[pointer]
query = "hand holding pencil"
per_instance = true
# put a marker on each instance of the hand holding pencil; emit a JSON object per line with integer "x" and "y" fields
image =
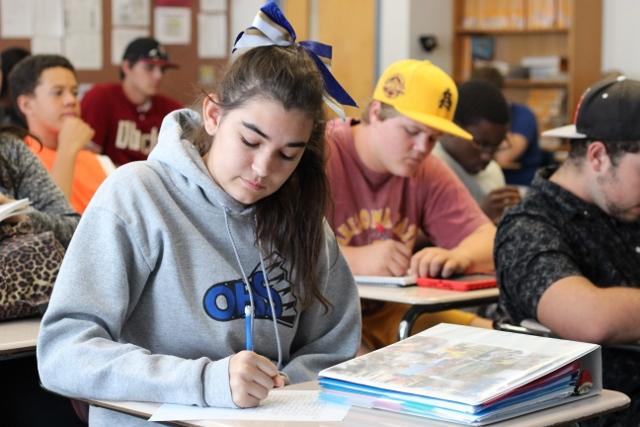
{"x": 251, "y": 376}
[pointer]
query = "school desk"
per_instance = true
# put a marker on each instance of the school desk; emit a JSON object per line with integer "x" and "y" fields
{"x": 608, "y": 401}
{"x": 425, "y": 300}
{"x": 18, "y": 337}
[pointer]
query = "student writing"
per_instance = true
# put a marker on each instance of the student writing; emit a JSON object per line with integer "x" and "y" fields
{"x": 237, "y": 196}
{"x": 523, "y": 156}
{"x": 386, "y": 187}
{"x": 483, "y": 112}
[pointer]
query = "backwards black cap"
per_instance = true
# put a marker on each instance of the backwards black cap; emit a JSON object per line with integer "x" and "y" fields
{"x": 607, "y": 111}
{"x": 147, "y": 49}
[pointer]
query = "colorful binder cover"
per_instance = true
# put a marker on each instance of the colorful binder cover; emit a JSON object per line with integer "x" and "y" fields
{"x": 467, "y": 375}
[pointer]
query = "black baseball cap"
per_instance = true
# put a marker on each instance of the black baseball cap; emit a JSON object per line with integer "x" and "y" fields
{"x": 147, "y": 49}
{"x": 609, "y": 110}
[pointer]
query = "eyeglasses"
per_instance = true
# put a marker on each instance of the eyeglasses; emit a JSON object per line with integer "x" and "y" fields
{"x": 490, "y": 148}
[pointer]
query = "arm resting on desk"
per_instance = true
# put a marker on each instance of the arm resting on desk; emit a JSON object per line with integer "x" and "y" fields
{"x": 575, "y": 308}
{"x": 478, "y": 246}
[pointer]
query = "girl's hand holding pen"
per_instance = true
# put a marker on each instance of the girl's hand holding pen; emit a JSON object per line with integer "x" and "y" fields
{"x": 251, "y": 376}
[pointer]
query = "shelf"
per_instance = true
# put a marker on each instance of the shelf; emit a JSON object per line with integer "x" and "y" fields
{"x": 509, "y": 31}
{"x": 526, "y": 83}
{"x": 576, "y": 38}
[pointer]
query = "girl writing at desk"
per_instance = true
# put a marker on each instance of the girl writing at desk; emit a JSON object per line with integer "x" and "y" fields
{"x": 226, "y": 213}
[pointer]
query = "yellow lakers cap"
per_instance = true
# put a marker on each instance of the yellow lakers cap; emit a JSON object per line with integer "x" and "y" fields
{"x": 422, "y": 92}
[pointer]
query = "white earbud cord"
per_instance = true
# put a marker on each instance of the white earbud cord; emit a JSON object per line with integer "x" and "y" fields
{"x": 246, "y": 284}
{"x": 244, "y": 276}
{"x": 273, "y": 311}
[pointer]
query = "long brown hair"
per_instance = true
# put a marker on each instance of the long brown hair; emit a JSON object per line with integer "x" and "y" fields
{"x": 289, "y": 222}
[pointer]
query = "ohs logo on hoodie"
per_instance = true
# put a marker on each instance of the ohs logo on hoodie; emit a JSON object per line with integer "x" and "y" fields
{"x": 226, "y": 301}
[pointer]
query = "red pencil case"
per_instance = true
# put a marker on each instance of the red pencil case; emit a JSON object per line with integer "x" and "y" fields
{"x": 459, "y": 283}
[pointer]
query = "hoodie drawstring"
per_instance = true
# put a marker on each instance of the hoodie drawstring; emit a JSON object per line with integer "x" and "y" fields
{"x": 248, "y": 287}
{"x": 273, "y": 311}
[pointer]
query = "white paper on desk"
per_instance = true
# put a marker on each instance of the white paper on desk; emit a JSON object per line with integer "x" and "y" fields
{"x": 281, "y": 405}
{"x": 409, "y": 280}
{"x": 16, "y": 18}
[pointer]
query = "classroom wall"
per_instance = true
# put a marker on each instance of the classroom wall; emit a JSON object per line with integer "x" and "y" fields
{"x": 620, "y": 36}
{"x": 399, "y": 23}
{"x": 182, "y": 84}
{"x": 393, "y": 18}
{"x": 242, "y": 13}
{"x": 433, "y": 17}
{"x": 402, "y": 21}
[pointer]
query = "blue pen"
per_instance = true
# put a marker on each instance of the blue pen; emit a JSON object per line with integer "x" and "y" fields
{"x": 248, "y": 321}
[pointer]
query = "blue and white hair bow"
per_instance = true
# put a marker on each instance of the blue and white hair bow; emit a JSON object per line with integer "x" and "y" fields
{"x": 270, "y": 27}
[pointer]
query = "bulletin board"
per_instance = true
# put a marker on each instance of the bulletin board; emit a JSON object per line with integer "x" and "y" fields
{"x": 183, "y": 83}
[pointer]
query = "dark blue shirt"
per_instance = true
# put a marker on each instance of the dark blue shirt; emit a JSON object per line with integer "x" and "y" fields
{"x": 523, "y": 122}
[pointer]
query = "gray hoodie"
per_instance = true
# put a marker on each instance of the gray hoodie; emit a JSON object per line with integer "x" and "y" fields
{"x": 149, "y": 301}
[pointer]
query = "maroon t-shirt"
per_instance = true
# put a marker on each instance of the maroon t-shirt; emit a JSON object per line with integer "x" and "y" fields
{"x": 370, "y": 206}
{"x": 124, "y": 131}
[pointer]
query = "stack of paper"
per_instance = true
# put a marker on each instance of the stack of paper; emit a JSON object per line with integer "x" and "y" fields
{"x": 543, "y": 67}
{"x": 467, "y": 375}
{"x": 15, "y": 207}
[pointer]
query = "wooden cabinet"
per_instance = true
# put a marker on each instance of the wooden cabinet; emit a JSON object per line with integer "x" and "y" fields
{"x": 513, "y": 30}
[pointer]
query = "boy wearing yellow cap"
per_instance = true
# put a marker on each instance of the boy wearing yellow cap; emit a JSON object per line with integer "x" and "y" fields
{"x": 386, "y": 188}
